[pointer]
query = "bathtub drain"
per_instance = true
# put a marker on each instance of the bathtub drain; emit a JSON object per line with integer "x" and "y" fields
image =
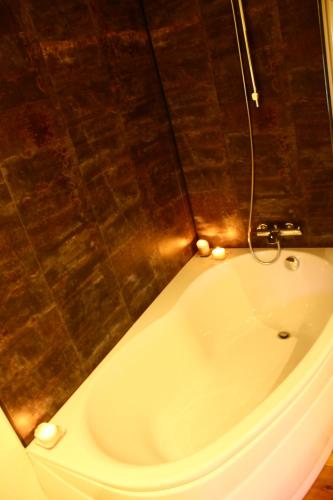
{"x": 283, "y": 335}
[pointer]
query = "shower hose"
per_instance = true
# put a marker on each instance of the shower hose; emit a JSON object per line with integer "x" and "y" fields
{"x": 278, "y": 252}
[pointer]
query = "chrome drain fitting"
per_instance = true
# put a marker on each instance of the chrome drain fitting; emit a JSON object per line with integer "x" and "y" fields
{"x": 292, "y": 263}
{"x": 283, "y": 335}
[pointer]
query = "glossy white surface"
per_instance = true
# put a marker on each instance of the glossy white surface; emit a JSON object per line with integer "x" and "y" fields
{"x": 18, "y": 479}
{"x": 201, "y": 399}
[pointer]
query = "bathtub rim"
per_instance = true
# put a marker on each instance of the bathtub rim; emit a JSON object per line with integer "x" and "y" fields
{"x": 150, "y": 478}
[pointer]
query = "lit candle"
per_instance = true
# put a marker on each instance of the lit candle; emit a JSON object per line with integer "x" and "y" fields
{"x": 48, "y": 434}
{"x": 218, "y": 253}
{"x": 203, "y": 248}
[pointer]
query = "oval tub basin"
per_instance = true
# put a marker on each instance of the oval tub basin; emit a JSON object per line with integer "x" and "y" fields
{"x": 202, "y": 399}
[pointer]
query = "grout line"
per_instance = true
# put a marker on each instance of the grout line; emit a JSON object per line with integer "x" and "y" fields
{"x": 54, "y": 302}
{"x": 183, "y": 184}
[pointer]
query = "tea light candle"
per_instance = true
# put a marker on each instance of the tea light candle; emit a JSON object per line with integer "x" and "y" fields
{"x": 218, "y": 253}
{"x": 203, "y": 248}
{"x": 48, "y": 434}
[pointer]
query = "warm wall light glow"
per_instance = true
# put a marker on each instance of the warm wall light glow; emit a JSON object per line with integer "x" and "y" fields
{"x": 231, "y": 233}
{"x": 48, "y": 434}
{"x": 218, "y": 253}
{"x": 203, "y": 248}
{"x": 170, "y": 247}
{"x": 24, "y": 422}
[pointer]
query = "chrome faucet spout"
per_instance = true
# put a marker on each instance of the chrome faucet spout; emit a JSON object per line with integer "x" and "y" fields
{"x": 273, "y": 237}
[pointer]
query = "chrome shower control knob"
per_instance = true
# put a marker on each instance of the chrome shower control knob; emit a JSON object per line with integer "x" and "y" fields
{"x": 262, "y": 227}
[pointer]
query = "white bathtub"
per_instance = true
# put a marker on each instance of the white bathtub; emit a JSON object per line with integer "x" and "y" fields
{"x": 201, "y": 400}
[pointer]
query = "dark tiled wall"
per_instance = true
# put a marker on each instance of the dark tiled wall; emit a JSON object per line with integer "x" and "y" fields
{"x": 195, "y": 46}
{"x": 93, "y": 216}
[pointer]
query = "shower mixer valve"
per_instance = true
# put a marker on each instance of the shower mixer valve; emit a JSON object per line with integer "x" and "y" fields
{"x": 273, "y": 232}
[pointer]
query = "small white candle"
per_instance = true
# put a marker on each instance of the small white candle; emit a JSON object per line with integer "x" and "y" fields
{"x": 203, "y": 248}
{"x": 48, "y": 434}
{"x": 218, "y": 253}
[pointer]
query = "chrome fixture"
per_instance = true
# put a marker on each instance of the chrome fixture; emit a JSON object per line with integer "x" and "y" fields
{"x": 255, "y": 97}
{"x": 273, "y": 232}
{"x": 292, "y": 263}
{"x": 254, "y": 94}
{"x": 284, "y": 335}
